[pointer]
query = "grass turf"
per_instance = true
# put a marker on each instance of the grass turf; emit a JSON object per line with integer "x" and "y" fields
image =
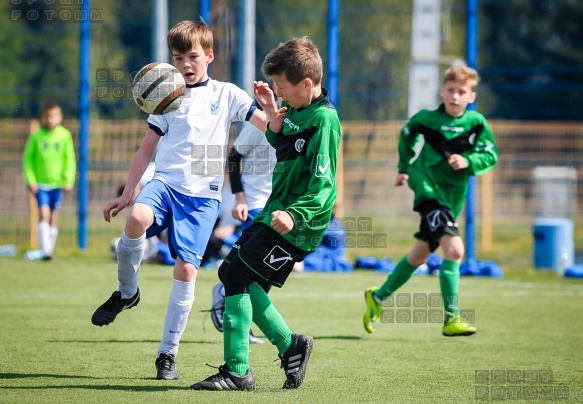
{"x": 50, "y": 352}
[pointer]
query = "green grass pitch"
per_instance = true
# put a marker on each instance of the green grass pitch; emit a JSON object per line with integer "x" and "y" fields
{"x": 530, "y": 325}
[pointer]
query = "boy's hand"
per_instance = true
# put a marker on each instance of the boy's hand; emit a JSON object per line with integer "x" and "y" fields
{"x": 281, "y": 221}
{"x": 240, "y": 212}
{"x": 457, "y": 162}
{"x": 67, "y": 189}
{"x": 33, "y": 189}
{"x": 401, "y": 179}
{"x": 276, "y": 123}
{"x": 265, "y": 98}
{"x": 114, "y": 207}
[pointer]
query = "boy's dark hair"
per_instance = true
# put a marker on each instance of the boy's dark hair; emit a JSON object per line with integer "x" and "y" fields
{"x": 297, "y": 58}
{"x": 187, "y": 34}
{"x": 48, "y": 106}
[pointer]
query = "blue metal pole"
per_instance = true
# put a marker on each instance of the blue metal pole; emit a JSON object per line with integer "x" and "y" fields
{"x": 205, "y": 11}
{"x": 246, "y": 45}
{"x": 333, "y": 40}
{"x": 205, "y": 14}
{"x": 84, "y": 105}
{"x": 472, "y": 59}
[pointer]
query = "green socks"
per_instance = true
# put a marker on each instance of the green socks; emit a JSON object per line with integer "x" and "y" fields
{"x": 449, "y": 280}
{"x": 240, "y": 310}
{"x": 268, "y": 319}
{"x": 401, "y": 274}
{"x": 236, "y": 326}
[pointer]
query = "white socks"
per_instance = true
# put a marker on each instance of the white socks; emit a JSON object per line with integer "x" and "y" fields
{"x": 54, "y": 234}
{"x": 179, "y": 306}
{"x": 129, "y": 257}
{"x": 44, "y": 238}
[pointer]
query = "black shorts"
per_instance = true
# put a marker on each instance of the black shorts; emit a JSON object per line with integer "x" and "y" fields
{"x": 266, "y": 253}
{"x": 436, "y": 220}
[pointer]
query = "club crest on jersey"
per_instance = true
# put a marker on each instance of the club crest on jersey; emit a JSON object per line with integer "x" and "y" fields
{"x": 214, "y": 108}
{"x": 300, "y": 145}
{"x": 277, "y": 258}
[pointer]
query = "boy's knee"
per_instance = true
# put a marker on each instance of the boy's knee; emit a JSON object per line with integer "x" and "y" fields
{"x": 236, "y": 277}
{"x": 416, "y": 260}
{"x": 454, "y": 253}
{"x": 221, "y": 271}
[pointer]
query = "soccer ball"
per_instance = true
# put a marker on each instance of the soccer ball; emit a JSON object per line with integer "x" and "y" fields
{"x": 113, "y": 248}
{"x": 158, "y": 88}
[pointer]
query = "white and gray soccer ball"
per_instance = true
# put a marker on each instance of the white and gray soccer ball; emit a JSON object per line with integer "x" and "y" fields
{"x": 158, "y": 88}
{"x": 113, "y": 248}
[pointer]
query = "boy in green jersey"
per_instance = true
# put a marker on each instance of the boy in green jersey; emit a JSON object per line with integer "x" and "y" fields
{"x": 49, "y": 168}
{"x": 305, "y": 133}
{"x": 457, "y": 144}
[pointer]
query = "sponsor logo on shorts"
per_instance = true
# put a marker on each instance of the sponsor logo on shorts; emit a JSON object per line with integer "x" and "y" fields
{"x": 434, "y": 219}
{"x": 277, "y": 258}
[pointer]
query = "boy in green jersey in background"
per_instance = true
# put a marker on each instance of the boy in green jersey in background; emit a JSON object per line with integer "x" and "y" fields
{"x": 305, "y": 133}
{"x": 457, "y": 144}
{"x": 49, "y": 168}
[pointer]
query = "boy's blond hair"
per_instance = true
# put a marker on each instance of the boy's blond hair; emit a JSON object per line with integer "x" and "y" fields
{"x": 462, "y": 74}
{"x": 187, "y": 34}
{"x": 297, "y": 58}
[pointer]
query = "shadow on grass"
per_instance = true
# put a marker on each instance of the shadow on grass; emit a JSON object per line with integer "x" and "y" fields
{"x": 357, "y": 338}
{"x": 15, "y": 376}
{"x": 31, "y": 375}
{"x": 126, "y": 341}
{"x": 342, "y": 337}
{"x": 92, "y": 387}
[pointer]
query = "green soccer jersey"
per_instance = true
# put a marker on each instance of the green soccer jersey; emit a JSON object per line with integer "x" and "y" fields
{"x": 49, "y": 158}
{"x": 430, "y": 176}
{"x": 304, "y": 177}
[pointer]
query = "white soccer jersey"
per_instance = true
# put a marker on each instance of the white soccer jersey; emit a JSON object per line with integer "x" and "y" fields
{"x": 191, "y": 154}
{"x": 148, "y": 175}
{"x": 258, "y": 163}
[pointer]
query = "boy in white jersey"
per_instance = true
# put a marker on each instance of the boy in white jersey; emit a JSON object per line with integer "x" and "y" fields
{"x": 185, "y": 193}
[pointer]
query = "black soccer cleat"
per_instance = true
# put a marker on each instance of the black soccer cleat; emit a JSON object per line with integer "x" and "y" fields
{"x": 166, "y": 367}
{"x": 226, "y": 380}
{"x": 107, "y": 312}
{"x": 295, "y": 360}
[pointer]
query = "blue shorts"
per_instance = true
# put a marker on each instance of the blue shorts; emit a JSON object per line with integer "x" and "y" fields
{"x": 50, "y": 198}
{"x": 190, "y": 220}
{"x": 250, "y": 215}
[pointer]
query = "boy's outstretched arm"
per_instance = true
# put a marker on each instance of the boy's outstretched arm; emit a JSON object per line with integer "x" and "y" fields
{"x": 139, "y": 164}
{"x": 259, "y": 120}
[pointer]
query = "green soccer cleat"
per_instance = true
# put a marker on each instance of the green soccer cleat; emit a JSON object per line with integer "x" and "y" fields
{"x": 457, "y": 328}
{"x": 372, "y": 315}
